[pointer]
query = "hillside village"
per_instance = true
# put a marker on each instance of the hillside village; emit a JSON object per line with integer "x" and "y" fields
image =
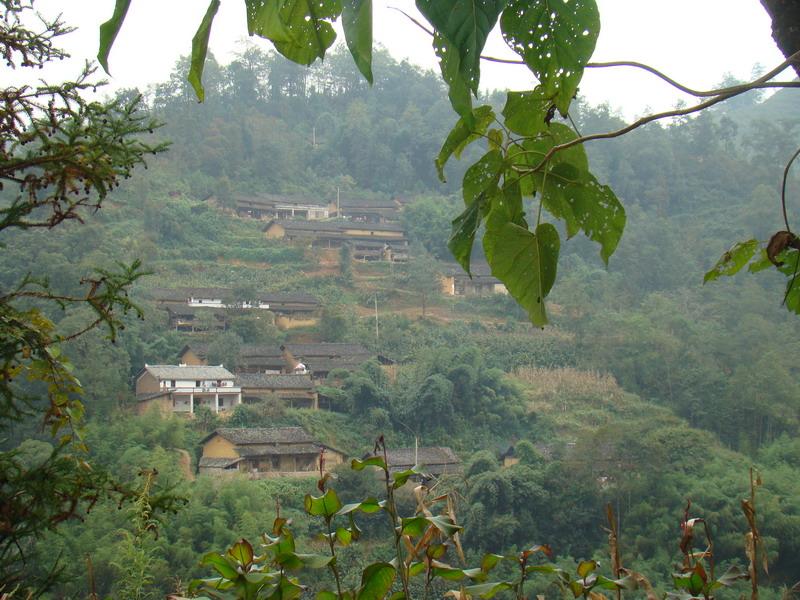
{"x": 290, "y": 373}
{"x": 297, "y": 307}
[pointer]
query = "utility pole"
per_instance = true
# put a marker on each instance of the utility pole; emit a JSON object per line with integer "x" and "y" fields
{"x": 338, "y": 208}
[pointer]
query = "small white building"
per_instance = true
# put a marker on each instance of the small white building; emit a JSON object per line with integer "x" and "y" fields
{"x": 182, "y": 389}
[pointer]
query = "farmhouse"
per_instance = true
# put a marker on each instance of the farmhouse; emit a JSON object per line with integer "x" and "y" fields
{"x": 369, "y": 241}
{"x": 316, "y": 359}
{"x": 298, "y": 391}
{"x": 455, "y": 282}
{"x": 270, "y": 206}
{"x": 265, "y": 452}
{"x": 361, "y": 210}
{"x": 434, "y": 460}
{"x": 183, "y": 389}
{"x": 201, "y": 309}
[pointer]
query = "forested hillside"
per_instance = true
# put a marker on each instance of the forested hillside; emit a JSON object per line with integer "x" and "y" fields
{"x": 649, "y": 389}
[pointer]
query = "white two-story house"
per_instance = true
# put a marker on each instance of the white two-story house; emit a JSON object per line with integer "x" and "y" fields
{"x": 183, "y": 389}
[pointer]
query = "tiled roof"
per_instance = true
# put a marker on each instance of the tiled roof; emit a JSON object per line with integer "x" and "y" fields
{"x": 263, "y": 435}
{"x": 430, "y": 457}
{"x": 251, "y": 450}
{"x": 182, "y": 294}
{"x": 217, "y": 463}
{"x": 188, "y": 372}
{"x": 270, "y": 200}
{"x": 334, "y": 226}
{"x": 367, "y": 203}
{"x": 321, "y": 350}
{"x": 276, "y": 382}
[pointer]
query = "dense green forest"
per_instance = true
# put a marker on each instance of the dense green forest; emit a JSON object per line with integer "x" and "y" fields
{"x": 648, "y": 389}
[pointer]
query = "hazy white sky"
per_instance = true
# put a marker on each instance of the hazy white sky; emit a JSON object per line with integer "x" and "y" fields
{"x": 695, "y": 41}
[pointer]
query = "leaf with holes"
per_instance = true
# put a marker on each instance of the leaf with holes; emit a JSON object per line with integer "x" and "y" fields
{"x": 584, "y": 204}
{"x": 309, "y": 28}
{"x": 264, "y": 20}
{"x": 733, "y": 260}
{"x": 526, "y": 262}
{"x": 482, "y": 175}
{"x": 457, "y": 86}
{"x": 526, "y": 113}
{"x": 466, "y": 25}
{"x": 555, "y": 39}
{"x": 200, "y": 49}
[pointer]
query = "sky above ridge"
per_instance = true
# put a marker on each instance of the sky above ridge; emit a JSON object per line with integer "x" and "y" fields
{"x": 696, "y": 42}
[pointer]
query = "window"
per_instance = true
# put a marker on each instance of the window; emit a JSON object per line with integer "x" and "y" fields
{"x": 197, "y": 383}
{"x": 172, "y": 383}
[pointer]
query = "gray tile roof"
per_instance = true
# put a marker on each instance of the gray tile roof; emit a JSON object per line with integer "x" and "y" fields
{"x": 334, "y": 226}
{"x": 263, "y": 435}
{"x": 188, "y": 372}
{"x": 276, "y": 382}
{"x": 433, "y": 458}
{"x": 304, "y": 351}
{"x": 251, "y": 450}
{"x": 270, "y": 200}
{"x": 217, "y": 463}
{"x": 182, "y": 294}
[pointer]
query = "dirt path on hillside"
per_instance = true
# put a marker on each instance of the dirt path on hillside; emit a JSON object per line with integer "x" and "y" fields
{"x": 185, "y": 463}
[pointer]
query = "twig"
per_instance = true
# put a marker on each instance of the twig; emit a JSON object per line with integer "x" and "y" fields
{"x": 783, "y": 188}
{"x": 670, "y": 113}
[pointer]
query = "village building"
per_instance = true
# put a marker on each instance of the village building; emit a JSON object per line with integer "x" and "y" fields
{"x": 456, "y": 282}
{"x": 297, "y": 391}
{"x": 183, "y": 389}
{"x": 270, "y": 206}
{"x": 265, "y": 452}
{"x": 318, "y": 359}
{"x": 434, "y": 460}
{"x": 201, "y": 309}
{"x": 360, "y": 210}
{"x": 368, "y": 241}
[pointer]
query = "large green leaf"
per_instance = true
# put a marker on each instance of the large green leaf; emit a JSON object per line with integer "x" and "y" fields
{"x": 109, "y": 31}
{"x": 357, "y": 24}
{"x": 458, "y": 89}
{"x": 466, "y": 25}
{"x": 482, "y": 175}
{"x": 242, "y": 553}
{"x": 555, "y": 38}
{"x": 462, "y": 135}
{"x": 733, "y": 260}
{"x": 264, "y": 20}
{"x": 200, "y": 49}
{"x": 462, "y": 237}
{"x": 584, "y": 204}
{"x": 376, "y": 581}
{"x": 309, "y": 27}
{"x": 372, "y": 461}
{"x": 526, "y": 262}
{"x": 220, "y": 564}
{"x": 526, "y": 113}
{"x": 326, "y": 505}
{"x": 488, "y": 590}
{"x": 532, "y": 151}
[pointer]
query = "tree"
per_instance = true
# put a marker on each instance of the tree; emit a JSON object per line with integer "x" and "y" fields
{"x": 60, "y": 156}
{"x": 533, "y": 149}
